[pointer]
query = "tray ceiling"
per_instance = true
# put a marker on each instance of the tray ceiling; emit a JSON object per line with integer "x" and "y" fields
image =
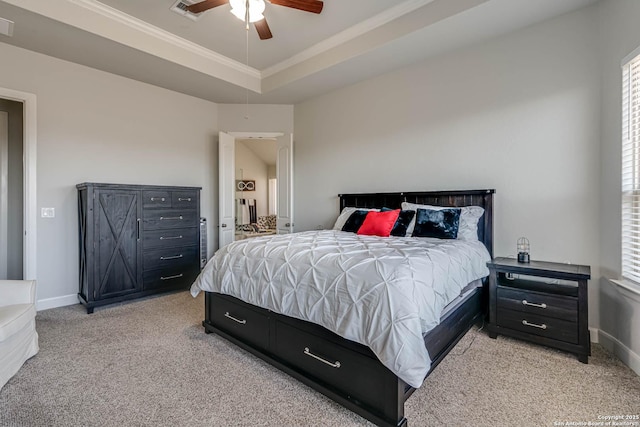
{"x": 310, "y": 54}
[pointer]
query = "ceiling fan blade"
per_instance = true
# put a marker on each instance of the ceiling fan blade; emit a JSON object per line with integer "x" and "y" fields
{"x": 263, "y": 29}
{"x": 205, "y": 5}
{"x": 313, "y": 6}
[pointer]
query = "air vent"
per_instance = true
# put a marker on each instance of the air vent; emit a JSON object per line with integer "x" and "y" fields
{"x": 6, "y": 27}
{"x": 180, "y": 7}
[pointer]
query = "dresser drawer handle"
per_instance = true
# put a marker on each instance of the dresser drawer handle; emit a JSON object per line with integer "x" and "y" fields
{"x": 525, "y": 302}
{"x": 165, "y": 258}
{"x": 169, "y": 238}
{"x": 228, "y": 316}
{"x": 186, "y": 199}
{"x": 525, "y": 323}
{"x": 177, "y": 276}
{"x": 333, "y": 365}
{"x": 153, "y": 199}
{"x": 170, "y": 218}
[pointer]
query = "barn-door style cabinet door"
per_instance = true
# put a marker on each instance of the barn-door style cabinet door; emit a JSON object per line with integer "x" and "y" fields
{"x": 136, "y": 240}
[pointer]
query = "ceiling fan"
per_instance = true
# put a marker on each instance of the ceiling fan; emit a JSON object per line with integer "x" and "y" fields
{"x": 313, "y": 6}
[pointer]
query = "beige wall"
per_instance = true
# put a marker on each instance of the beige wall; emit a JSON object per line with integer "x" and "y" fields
{"x": 519, "y": 113}
{"x": 95, "y": 126}
{"x": 534, "y": 114}
{"x": 255, "y": 118}
{"x": 620, "y": 311}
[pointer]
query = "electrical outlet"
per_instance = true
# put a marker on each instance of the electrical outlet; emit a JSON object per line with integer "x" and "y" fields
{"x": 48, "y": 212}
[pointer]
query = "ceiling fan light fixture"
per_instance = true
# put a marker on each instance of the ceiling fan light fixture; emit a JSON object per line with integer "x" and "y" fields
{"x": 256, "y": 7}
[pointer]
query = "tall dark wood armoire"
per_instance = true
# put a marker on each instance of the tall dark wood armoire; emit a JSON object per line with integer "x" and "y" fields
{"x": 136, "y": 240}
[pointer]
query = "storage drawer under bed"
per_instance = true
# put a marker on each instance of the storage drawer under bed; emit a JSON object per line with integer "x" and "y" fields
{"x": 330, "y": 363}
{"x": 239, "y": 320}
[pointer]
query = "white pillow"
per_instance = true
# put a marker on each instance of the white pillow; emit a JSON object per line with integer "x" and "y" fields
{"x": 346, "y": 213}
{"x": 469, "y": 216}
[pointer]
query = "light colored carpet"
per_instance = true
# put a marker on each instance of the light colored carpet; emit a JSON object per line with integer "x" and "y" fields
{"x": 149, "y": 363}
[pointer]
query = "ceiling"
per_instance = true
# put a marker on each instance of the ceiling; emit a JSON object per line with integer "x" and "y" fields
{"x": 309, "y": 54}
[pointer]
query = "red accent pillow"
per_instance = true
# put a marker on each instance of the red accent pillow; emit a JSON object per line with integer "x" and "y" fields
{"x": 379, "y": 223}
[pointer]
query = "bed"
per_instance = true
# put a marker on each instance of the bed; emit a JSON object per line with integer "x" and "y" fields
{"x": 363, "y": 378}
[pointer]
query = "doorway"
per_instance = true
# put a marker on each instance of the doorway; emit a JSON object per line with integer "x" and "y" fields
{"x": 256, "y": 187}
{"x": 11, "y": 190}
{"x": 27, "y": 102}
{"x": 234, "y": 182}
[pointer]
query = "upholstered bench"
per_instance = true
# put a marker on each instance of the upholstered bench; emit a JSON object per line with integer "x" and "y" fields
{"x": 18, "y": 336}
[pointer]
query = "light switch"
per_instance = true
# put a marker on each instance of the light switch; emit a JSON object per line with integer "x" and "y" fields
{"x": 48, "y": 212}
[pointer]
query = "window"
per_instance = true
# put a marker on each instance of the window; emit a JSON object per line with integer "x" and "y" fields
{"x": 631, "y": 169}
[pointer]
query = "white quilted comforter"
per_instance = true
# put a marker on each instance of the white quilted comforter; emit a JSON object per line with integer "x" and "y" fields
{"x": 384, "y": 293}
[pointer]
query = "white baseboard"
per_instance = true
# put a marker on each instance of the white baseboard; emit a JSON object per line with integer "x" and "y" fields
{"x": 624, "y": 353}
{"x": 47, "y": 303}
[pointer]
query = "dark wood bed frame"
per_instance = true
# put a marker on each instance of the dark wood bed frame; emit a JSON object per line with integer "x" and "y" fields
{"x": 347, "y": 372}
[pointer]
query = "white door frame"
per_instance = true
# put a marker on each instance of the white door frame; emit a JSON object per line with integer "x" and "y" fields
{"x": 29, "y": 270}
{"x": 250, "y": 135}
{"x": 4, "y": 184}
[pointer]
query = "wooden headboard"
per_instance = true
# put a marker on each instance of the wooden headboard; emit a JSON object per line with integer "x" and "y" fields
{"x": 458, "y": 198}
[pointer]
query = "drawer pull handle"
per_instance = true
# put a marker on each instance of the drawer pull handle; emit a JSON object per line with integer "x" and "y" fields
{"x": 186, "y": 199}
{"x": 153, "y": 199}
{"x": 171, "y": 277}
{"x": 525, "y": 323}
{"x": 164, "y": 258}
{"x": 169, "y": 238}
{"x": 525, "y": 302}
{"x": 333, "y": 365}
{"x": 169, "y": 218}
{"x": 228, "y": 316}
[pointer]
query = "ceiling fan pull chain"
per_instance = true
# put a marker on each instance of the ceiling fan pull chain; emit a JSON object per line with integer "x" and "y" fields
{"x": 246, "y": 104}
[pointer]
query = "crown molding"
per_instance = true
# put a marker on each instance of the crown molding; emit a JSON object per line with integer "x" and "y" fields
{"x": 382, "y": 29}
{"x": 105, "y": 21}
{"x": 347, "y": 35}
{"x": 145, "y": 27}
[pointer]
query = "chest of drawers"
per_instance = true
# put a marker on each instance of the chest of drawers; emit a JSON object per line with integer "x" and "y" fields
{"x": 136, "y": 240}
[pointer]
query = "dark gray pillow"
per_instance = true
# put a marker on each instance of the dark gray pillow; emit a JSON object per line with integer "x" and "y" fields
{"x": 354, "y": 221}
{"x": 402, "y": 223}
{"x": 442, "y": 223}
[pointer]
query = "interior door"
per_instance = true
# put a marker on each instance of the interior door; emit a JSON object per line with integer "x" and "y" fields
{"x": 226, "y": 178}
{"x": 4, "y": 192}
{"x": 284, "y": 174}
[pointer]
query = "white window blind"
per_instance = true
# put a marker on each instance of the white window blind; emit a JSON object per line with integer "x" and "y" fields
{"x": 631, "y": 170}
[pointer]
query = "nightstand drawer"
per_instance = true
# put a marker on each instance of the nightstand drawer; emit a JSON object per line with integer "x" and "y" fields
{"x": 543, "y": 326}
{"x": 542, "y": 304}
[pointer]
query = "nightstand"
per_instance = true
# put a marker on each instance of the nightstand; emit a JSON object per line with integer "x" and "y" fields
{"x": 537, "y": 309}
